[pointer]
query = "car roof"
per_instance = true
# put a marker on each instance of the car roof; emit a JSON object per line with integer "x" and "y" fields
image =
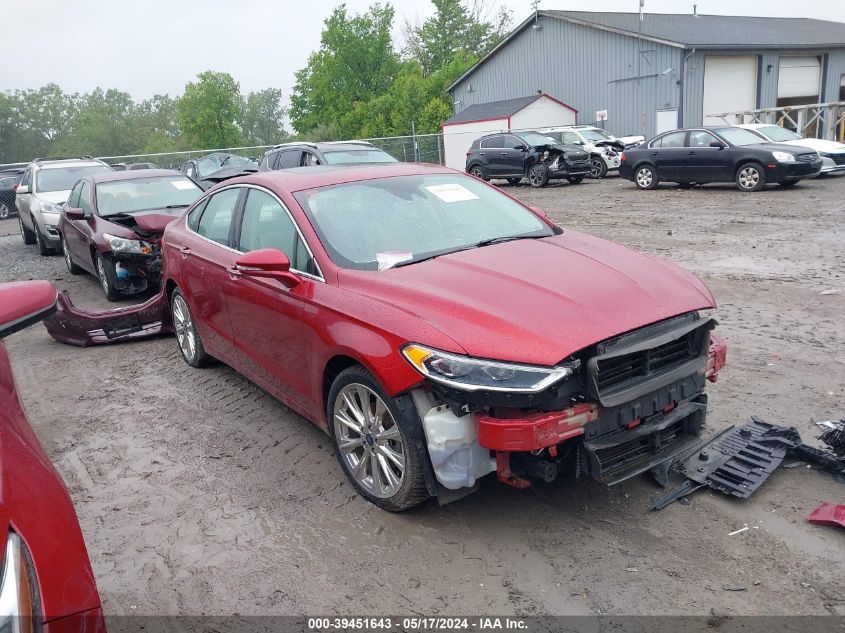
{"x": 47, "y": 163}
{"x": 137, "y": 174}
{"x": 322, "y": 146}
{"x": 301, "y": 178}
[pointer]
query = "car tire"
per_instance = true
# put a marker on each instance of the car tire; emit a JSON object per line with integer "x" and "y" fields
{"x": 43, "y": 249}
{"x": 645, "y": 177}
{"x": 105, "y": 278}
{"x": 575, "y": 180}
{"x": 750, "y": 177}
{"x": 5, "y": 211}
{"x": 479, "y": 172}
{"x": 27, "y": 235}
{"x": 376, "y": 451}
{"x": 598, "y": 168}
{"x": 786, "y": 184}
{"x": 187, "y": 335}
{"x": 72, "y": 268}
{"x": 538, "y": 175}
{"x": 514, "y": 181}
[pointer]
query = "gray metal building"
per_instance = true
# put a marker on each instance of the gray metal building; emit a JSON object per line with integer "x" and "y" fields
{"x": 664, "y": 71}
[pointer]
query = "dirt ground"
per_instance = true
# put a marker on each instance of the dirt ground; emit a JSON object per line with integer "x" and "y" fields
{"x": 199, "y": 494}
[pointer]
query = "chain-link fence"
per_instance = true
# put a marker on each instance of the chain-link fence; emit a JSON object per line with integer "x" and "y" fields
{"x": 422, "y": 148}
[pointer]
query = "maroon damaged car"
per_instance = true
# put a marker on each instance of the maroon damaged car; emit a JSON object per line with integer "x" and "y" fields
{"x": 112, "y": 223}
{"x": 46, "y": 581}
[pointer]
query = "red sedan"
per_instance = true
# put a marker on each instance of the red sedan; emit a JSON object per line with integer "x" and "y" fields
{"x": 46, "y": 576}
{"x": 439, "y": 329}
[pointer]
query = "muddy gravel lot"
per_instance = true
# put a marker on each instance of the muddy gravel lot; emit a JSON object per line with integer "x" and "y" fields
{"x": 199, "y": 494}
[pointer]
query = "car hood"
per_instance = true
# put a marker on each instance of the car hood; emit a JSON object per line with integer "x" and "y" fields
{"x": 536, "y": 300}
{"x": 819, "y": 145}
{"x": 56, "y": 197}
{"x": 150, "y": 222}
{"x": 780, "y": 147}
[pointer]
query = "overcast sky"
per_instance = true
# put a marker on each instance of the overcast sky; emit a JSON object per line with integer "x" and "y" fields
{"x": 155, "y": 46}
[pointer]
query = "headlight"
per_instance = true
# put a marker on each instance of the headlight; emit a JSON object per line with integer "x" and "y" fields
{"x": 19, "y": 590}
{"x": 784, "y": 157}
{"x": 123, "y": 245}
{"x": 49, "y": 207}
{"x": 475, "y": 374}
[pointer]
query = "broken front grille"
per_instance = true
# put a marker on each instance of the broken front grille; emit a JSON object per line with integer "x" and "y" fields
{"x": 644, "y": 360}
{"x": 839, "y": 159}
{"x": 808, "y": 158}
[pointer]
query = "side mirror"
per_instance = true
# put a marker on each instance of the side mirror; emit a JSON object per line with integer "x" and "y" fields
{"x": 22, "y": 189}
{"x": 269, "y": 263}
{"x": 718, "y": 144}
{"x": 520, "y": 147}
{"x": 74, "y": 213}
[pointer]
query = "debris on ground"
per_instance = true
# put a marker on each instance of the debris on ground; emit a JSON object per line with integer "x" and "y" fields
{"x": 828, "y": 514}
{"x": 739, "y": 459}
{"x": 738, "y": 531}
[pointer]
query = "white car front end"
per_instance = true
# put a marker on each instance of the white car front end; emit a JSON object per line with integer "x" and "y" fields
{"x": 831, "y": 153}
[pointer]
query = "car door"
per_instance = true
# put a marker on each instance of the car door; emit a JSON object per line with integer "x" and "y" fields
{"x": 74, "y": 233}
{"x": 266, "y": 315}
{"x": 23, "y": 201}
{"x": 706, "y": 163}
{"x": 511, "y": 159}
{"x": 491, "y": 152}
{"x": 204, "y": 270}
{"x": 670, "y": 155}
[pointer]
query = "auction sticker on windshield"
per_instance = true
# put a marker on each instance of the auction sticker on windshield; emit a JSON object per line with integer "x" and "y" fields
{"x": 183, "y": 184}
{"x": 452, "y": 192}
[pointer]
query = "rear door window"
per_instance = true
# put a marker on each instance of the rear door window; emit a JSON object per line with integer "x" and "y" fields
{"x": 700, "y": 138}
{"x": 674, "y": 139}
{"x": 216, "y": 220}
{"x": 493, "y": 142}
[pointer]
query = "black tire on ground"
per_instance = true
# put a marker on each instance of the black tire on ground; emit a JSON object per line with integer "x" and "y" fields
{"x": 750, "y": 177}
{"x": 514, "y": 181}
{"x": 5, "y": 211}
{"x": 27, "y": 235}
{"x": 788, "y": 183}
{"x": 187, "y": 336}
{"x": 645, "y": 177}
{"x": 598, "y": 168}
{"x": 72, "y": 268}
{"x": 411, "y": 490}
{"x": 105, "y": 276}
{"x": 538, "y": 175}
{"x": 575, "y": 180}
{"x": 479, "y": 172}
{"x": 43, "y": 248}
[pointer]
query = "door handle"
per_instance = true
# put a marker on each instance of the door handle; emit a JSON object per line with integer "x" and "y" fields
{"x": 234, "y": 273}
{"x": 655, "y": 153}
{"x": 504, "y": 153}
{"x": 482, "y": 153}
{"x": 185, "y": 251}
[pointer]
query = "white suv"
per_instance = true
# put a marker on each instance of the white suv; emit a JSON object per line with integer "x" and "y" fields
{"x": 45, "y": 187}
{"x": 604, "y": 148}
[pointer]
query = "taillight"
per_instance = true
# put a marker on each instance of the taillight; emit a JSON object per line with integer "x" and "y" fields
{"x": 469, "y": 151}
{"x": 19, "y": 599}
{"x": 622, "y": 157}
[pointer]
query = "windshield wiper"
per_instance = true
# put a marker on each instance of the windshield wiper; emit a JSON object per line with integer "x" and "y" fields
{"x": 488, "y": 242}
{"x": 176, "y": 206}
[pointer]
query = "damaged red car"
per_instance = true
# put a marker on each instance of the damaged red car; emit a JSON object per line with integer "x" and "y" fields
{"x": 46, "y": 582}
{"x": 438, "y": 329}
{"x": 112, "y": 223}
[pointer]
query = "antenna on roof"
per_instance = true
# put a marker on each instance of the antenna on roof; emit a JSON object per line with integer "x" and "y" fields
{"x": 536, "y": 26}
{"x": 695, "y": 11}
{"x": 642, "y": 5}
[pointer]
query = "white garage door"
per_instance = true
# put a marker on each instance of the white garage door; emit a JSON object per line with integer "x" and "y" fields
{"x": 799, "y": 77}
{"x": 730, "y": 84}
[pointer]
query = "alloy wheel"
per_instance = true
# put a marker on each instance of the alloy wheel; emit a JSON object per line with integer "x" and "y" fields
{"x": 5, "y": 211}
{"x": 184, "y": 326}
{"x": 536, "y": 177}
{"x": 749, "y": 177}
{"x": 476, "y": 171}
{"x": 596, "y": 168}
{"x": 644, "y": 177}
{"x": 369, "y": 440}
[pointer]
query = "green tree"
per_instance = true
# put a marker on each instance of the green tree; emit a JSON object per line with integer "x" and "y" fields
{"x": 261, "y": 120}
{"x": 455, "y": 27}
{"x": 208, "y": 111}
{"x": 105, "y": 124}
{"x": 158, "y": 116}
{"x": 355, "y": 63}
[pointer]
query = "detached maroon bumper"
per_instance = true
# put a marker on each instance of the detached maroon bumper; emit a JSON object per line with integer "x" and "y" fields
{"x": 718, "y": 357}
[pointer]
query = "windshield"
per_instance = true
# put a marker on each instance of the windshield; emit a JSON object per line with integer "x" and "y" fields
{"x": 352, "y": 156}
{"x": 143, "y": 194}
{"x": 376, "y": 224}
{"x": 596, "y": 135}
{"x": 63, "y": 178}
{"x": 777, "y": 134}
{"x": 207, "y": 165}
{"x": 535, "y": 138}
{"x": 738, "y": 136}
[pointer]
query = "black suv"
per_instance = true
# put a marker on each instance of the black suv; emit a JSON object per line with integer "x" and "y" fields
{"x": 304, "y": 154}
{"x": 518, "y": 155}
